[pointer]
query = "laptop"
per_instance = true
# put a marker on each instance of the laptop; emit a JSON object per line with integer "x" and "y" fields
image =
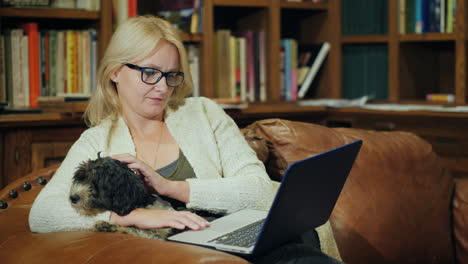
{"x": 305, "y": 200}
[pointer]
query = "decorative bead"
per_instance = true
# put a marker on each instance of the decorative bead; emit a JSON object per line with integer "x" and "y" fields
{"x": 41, "y": 181}
{"x": 13, "y": 193}
{"x": 3, "y": 204}
{"x": 27, "y": 186}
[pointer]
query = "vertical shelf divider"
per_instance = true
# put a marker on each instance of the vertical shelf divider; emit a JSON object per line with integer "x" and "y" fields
{"x": 273, "y": 50}
{"x": 335, "y": 72}
{"x": 460, "y": 53}
{"x": 207, "y": 51}
{"x": 393, "y": 52}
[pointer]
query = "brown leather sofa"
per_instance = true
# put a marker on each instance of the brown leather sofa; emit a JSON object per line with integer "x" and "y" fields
{"x": 398, "y": 206}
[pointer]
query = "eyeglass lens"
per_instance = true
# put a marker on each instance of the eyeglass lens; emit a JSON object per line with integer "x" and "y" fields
{"x": 152, "y": 76}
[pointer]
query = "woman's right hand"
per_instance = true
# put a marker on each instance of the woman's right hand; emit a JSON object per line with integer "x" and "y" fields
{"x": 148, "y": 219}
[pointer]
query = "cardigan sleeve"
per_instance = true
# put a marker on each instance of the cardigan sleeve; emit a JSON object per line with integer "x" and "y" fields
{"x": 51, "y": 211}
{"x": 244, "y": 182}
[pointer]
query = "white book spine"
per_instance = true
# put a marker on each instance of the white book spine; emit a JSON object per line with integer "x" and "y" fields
{"x": 25, "y": 69}
{"x": 262, "y": 66}
{"x": 243, "y": 70}
{"x": 59, "y": 66}
{"x": 314, "y": 69}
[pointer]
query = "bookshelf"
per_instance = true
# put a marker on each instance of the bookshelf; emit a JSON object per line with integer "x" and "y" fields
{"x": 47, "y": 17}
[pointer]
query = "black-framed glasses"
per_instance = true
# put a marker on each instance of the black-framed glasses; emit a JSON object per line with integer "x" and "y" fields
{"x": 153, "y": 76}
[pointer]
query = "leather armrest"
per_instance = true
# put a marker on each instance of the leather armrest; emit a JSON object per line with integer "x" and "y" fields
{"x": 92, "y": 247}
{"x": 19, "y": 245}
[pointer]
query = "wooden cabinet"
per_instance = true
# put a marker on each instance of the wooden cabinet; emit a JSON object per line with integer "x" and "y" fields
{"x": 30, "y": 142}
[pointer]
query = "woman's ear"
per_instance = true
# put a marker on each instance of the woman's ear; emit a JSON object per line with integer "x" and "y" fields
{"x": 115, "y": 76}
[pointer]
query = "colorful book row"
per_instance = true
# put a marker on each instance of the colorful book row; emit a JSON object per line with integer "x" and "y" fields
{"x": 240, "y": 72}
{"x": 46, "y": 63}
{"x": 424, "y": 16}
{"x": 299, "y": 66}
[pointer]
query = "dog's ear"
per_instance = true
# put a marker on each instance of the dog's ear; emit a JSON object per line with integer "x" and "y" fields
{"x": 81, "y": 171}
{"x": 128, "y": 191}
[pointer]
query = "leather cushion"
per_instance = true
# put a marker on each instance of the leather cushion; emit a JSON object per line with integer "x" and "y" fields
{"x": 395, "y": 206}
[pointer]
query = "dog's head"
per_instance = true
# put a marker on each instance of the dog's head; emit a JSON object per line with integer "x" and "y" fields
{"x": 107, "y": 184}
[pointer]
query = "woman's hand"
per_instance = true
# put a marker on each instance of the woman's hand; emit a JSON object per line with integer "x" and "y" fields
{"x": 150, "y": 176}
{"x": 148, "y": 218}
{"x": 178, "y": 190}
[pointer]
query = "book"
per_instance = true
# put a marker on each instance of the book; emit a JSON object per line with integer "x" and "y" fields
{"x": 314, "y": 69}
{"x": 31, "y": 29}
{"x": 443, "y": 98}
{"x": 3, "y": 97}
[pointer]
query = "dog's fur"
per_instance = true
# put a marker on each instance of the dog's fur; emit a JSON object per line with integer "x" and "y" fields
{"x": 106, "y": 184}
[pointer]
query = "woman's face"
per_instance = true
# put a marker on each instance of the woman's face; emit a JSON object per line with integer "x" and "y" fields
{"x": 142, "y": 99}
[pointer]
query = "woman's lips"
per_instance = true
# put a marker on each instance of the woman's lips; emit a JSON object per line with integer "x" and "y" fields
{"x": 156, "y": 100}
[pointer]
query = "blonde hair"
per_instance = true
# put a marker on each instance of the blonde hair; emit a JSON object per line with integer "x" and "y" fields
{"x": 134, "y": 40}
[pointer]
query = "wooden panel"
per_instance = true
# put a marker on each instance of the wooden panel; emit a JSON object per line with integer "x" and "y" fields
{"x": 47, "y": 154}
{"x": 365, "y": 39}
{"x": 18, "y": 154}
{"x": 60, "y": 134}
{"x": 2, "y": 160}
{"x": 427, "y": 37}
{"x": 242, "y": 3}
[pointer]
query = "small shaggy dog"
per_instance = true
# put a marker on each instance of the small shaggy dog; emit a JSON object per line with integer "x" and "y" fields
{"x": 107, "y": 184}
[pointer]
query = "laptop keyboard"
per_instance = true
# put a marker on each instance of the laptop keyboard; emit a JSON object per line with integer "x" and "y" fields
{"x": 242, "y": 237}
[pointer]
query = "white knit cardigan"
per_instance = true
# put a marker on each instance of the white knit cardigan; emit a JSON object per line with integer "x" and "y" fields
{"x": 229, "y": 176}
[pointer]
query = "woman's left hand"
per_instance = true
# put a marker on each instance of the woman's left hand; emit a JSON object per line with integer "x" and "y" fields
{"x": 150, "y": 176}
{"x": 174, "y": 189}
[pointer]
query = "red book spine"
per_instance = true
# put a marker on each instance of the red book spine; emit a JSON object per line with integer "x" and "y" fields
{"x": 132, "y": 8}
{"x": 33, "y": 53}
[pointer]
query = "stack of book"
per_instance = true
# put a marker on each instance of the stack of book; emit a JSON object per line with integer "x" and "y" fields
{"x": 299, "y": 66}
{"x": 91, "y": 5}
{"x": 365, "y": 71}
{"x": 185, "y": 15}
{"x": 364, "y": 17}
{"x": 423, "y": 16}
{"x": 240, "y": 72}
{"x": 46, "y": 63}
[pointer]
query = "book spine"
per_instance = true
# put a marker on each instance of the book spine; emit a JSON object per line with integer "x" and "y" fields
{"x": 70, "y": 61}
{"x": 314, "y": 69}
{"x": 262, "y": 66}
{"x": 2, "y": 70}
{"x": 444, "y": 98}
{"x": 25, "y": 70}
{"x": 17, "y": 84}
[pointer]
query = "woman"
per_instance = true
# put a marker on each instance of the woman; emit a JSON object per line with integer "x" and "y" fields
{"x": 186, "y": 149}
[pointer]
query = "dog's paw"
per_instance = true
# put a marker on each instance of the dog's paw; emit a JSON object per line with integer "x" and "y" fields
{"x": 104, "y": 226}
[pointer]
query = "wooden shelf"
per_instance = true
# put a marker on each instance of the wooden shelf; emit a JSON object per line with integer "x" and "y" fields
{"x": 365, "y": 39}
{"x": 187, "y": 37}
{"x": 49, "y": 13}
{"x": 427, "y": 37}
{"x": 303, "y": 5}
{"x": 242, "y": 3}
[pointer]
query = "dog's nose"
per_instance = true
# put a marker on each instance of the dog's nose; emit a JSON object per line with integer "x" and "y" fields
{"x": 74, "y": 198}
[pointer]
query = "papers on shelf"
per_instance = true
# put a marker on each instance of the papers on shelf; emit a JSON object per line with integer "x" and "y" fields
{"x": 362, "y": 102}
{"x": 414, "y": 107}
{"x": 334, "y": 102}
